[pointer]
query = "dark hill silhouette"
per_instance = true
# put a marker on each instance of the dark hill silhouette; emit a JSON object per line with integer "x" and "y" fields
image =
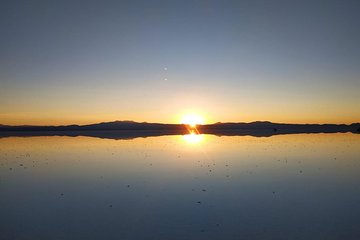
{"x": 131, "y": 129}
{"x": 116, "y": 125}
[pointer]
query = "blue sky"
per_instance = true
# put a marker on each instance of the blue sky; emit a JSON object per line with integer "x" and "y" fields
{"x": 85, "y": 61}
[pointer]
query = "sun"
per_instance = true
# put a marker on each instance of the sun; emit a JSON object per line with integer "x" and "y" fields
{"x": 192, "y": 120}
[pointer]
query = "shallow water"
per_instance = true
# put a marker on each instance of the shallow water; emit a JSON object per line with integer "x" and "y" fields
{"x": 302, "y": 186}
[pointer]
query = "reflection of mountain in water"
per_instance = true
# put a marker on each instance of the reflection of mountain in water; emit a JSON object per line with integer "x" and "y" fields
{"x": 129, "y": 129}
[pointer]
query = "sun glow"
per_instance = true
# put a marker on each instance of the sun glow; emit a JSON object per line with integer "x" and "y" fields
{"x": 192, "y": 120}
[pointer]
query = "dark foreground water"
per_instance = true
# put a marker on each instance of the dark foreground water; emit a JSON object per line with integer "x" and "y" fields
{"x": 304, "y": 186}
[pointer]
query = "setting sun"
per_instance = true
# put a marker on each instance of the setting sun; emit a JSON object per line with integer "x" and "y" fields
{"x": 192, "y": 120}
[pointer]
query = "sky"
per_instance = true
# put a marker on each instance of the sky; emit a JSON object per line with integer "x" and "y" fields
{"x": 79, "y": 62}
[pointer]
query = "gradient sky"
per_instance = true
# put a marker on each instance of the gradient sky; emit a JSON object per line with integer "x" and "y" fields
{"x": 65, "y": 62}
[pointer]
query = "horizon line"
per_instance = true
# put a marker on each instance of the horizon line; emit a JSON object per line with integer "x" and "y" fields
{"x": 145, "y": 122}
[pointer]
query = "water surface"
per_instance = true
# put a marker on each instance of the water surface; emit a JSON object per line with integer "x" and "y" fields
{"x": 302, "y": 186}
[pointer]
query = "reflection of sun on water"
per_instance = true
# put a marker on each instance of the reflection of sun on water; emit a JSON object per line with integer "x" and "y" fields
{"x": 192, "y": 121}
{"x": 193, "y": 138}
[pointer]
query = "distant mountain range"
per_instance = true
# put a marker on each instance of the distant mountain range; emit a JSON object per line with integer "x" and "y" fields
{"x": 115, "y": 125}
{"x": 130, "y": 129}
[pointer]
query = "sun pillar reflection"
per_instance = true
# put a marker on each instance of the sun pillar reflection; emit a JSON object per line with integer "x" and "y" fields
{"x": 194, "y": 136}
